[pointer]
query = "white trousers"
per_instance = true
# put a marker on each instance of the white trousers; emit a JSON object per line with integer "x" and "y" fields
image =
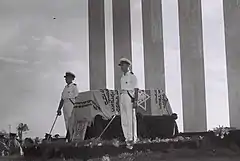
{"x": 67, "y": 112}
{"x": 128, "y": 118}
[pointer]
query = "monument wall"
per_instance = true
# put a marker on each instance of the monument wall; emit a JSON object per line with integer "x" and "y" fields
{"x": 232, "y": 40}
{"x": 192, "y": 65}
{"x": 153, "y": 44}
{"x": 121, "y": 35}
{"x": 191, "y": 52}
{"x": 97, "y": 60}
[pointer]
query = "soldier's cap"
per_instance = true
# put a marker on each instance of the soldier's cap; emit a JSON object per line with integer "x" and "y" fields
{"x": 124, "y": 60}
{"x": 67, "y": 74}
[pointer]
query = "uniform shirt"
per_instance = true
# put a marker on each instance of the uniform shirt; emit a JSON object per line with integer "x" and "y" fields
{"x": 14, "y": 143}
{"x": 70, "y": 92}
{"x": 128, "y": 81}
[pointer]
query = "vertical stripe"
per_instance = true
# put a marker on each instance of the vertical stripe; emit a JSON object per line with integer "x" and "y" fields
{"x": 215, "y": 64}
{"x": 121, "y": 35}
{"x": 97, "y": 62}
{"x": 153, "y": 44}
{"x": 232, "y": 39}
{"x": 192, "y": 65}
{"x": 172, "y": 58}
{"x": 137, "y": 42}
{"x": 109, "y": 44}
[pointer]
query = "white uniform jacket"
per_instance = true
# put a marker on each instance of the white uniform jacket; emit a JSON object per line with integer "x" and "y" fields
{"x": 69, "y": 94}
{"x": 128, "y": 115}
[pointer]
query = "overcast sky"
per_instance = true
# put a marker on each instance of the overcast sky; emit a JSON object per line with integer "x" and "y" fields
{"x": 36, "y": 51}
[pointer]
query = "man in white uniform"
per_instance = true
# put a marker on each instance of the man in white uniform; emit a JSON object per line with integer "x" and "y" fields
{"x": 70, "y": 92}
{"x": 128, "y": 116}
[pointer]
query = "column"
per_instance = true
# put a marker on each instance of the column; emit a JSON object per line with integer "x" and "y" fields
{"x": 121, "y": 35}
{"x": 232, "y": 40}
{"x": 97, "y": 60}
{"x": 153, "y": 44}
{"x": 192, "y": 65}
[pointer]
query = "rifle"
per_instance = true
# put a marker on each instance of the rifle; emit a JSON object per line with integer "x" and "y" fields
{"x": 135, "y": 99}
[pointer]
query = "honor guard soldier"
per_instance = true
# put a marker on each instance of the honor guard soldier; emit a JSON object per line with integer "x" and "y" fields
{"x": 128, "y": 116}
{"x": 14, "y": 145}
{"x": 69, "y": 94}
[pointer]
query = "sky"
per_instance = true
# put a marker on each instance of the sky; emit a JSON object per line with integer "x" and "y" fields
{"x": 36, "y": 50}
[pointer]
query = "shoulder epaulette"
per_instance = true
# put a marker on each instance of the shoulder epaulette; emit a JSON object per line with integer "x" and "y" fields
{"x": 74, "y": 84}
{"x": 131, "y": 72}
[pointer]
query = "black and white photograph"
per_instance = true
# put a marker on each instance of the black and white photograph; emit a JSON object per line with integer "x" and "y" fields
{"x": 119, "y": 80}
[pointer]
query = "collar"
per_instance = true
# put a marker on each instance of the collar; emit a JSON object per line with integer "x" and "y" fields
{"x": 68, "y": 85}
{"x": 126, "y": 73}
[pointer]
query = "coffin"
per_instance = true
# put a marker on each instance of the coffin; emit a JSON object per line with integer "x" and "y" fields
{"x": 105, "y": 103}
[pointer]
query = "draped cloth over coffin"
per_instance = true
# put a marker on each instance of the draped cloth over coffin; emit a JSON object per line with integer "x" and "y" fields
{"x": 87, "y": 106}
{"x": 105, "y": 103}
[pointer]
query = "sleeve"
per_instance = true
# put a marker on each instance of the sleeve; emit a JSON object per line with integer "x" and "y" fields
{"x": 62, "y": 94}
{"x": 75, "y": 91}
{"x": 134, "y": 81}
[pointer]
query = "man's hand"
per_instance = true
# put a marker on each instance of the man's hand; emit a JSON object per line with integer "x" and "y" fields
{"x": 59, "y": 112}
{"x": 135, "y": 104}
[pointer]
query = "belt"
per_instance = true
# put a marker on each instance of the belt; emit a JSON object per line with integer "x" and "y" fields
{"x": 69, "y": 99}
{"x": 125, "y": 91}
{"x": 128, "y": 93}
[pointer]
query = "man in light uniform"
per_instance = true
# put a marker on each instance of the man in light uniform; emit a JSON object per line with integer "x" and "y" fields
{"x": 128, "y": 116}
{"x": 70, "y": 92}
{"x": 14, "y": 145}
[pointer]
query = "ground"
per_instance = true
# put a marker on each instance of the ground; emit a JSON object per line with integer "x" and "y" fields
{"x": 207, "y": 147}
{"x": 171, "y": 155}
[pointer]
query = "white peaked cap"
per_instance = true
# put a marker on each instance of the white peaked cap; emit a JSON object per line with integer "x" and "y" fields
{"x": 125, "y": 60}
{"x": 69, "y": 74}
